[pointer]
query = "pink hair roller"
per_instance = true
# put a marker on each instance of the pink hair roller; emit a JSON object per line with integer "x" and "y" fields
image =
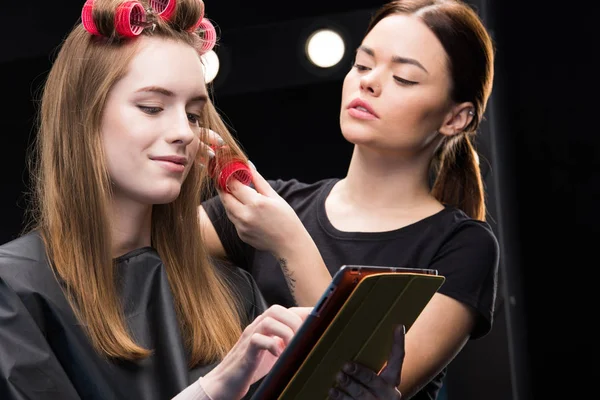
{"x": 193, "y": 28}
{"x": 164, "y": 8}
{"x": 86, "y": 18}
{"x": 210, "y": 35}
{"x": 130, "y": 18}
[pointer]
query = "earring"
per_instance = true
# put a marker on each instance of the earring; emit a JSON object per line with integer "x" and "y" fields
{"x": 471, "y": 112}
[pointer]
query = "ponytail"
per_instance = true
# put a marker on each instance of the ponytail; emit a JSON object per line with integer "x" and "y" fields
{"x": 458, "y": 182}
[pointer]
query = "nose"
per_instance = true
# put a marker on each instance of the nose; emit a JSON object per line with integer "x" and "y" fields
{"x": 371, "y": 83}
{"x": 181, "y": 131}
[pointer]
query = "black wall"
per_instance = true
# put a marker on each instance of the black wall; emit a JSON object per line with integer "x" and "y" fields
{"x": 541, "y": 140}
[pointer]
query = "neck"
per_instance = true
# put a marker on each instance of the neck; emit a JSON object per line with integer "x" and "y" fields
{"x": 379, "y": 180}
{"x": 130, "y": 226}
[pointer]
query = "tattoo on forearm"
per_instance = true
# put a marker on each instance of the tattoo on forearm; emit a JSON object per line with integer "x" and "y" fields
{"x": 289, "y": 276}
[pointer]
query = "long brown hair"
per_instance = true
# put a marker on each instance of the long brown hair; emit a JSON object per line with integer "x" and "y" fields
{"x": 72, "y": 194}
{"x": 470, "y": 55}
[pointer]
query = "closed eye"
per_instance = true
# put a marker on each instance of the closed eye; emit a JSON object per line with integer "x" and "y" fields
{"x": 150, "y": 110}
{"x": 360, "y": 67}
{"x": 404, "y": 81}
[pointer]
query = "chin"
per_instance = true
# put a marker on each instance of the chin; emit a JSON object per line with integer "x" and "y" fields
{"x": 358, "y": 137}
{"x": 164, "y": 195}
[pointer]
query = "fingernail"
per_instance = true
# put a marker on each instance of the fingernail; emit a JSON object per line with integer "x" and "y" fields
{"x": 220, "y": 141}
{"x": 333, "y": 393}
{"x": 341, "y": 377}
{"x": 251, "y": 164}
{"x": 211, "y": 153}
{"x": 349, "y": 367}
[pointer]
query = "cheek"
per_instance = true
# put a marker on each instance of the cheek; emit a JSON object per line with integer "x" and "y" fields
{"x": 349, "y": 85}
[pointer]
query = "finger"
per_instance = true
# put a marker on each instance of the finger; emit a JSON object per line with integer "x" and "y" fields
{"x": 232, "y": 205}
{"x": 261, "y": 185}
{"x": 284, "y": 315}
{"x": 393, "y": 368}
{"x": 244, "y": 193}
{"x": 361, "y": 374}
{"x": 272, "y": 327}
{"x": 259, "y": 342}
{"x": 205, "y": 154}
{"x": 354, "y": 388}
{"x": 302, "y": 312}
{"x": 212, "y": 138}
{"x": 338, "y": 394}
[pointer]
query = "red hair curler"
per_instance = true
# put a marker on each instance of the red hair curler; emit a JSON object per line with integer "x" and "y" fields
{"x": 86, "y": 18}
{"x": 164, "y": 8}
{"x": 234, "y": 168}
{"x": 210, "y": 35}
{"x": 130, "y": 18}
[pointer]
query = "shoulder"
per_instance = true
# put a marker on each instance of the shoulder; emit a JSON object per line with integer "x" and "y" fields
{"x": 454, "y": 224}
{"x": 23, "y": 253}
{"x": 465, "y": 247}
{"x": 473, "y": 232}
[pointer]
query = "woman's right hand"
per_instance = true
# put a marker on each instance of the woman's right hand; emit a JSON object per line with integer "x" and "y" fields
{"x": 254, "y": 354}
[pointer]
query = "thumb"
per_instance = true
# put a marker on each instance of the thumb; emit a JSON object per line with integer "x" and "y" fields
{"x": 393, "y": 368}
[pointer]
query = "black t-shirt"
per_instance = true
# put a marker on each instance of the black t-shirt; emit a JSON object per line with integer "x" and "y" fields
{"x": 462, "y": 249}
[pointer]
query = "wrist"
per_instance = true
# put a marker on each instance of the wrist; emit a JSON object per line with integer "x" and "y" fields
{"x": 212, "y": 386}
{"x": 294, "y": 246}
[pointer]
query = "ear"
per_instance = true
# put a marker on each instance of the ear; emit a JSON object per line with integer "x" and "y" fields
{"x": 457, "y": 119}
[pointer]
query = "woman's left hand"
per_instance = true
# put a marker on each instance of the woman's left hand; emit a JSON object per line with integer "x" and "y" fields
{"x": 356, "y": 382}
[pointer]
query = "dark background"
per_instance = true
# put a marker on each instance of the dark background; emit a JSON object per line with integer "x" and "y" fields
{"x": 540, "y": 148}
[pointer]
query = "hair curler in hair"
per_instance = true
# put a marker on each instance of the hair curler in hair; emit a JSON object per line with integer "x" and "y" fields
{"x": 209, "y": 37}
{"x": 232, "y": 168}
{"x": 86, "y": 18}
{"x": 193, "y": 28}
{"x": 130, "y": 18}
{"x": 163, "y": 8}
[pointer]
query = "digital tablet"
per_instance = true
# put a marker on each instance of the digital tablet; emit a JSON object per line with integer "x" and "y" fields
{"x": 353, "y": 320}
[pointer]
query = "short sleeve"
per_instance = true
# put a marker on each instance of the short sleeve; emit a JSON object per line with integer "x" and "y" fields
{"x": 469, "y": 260}
{"x": 237, "y": 251}
{"x": 28, "y": 367}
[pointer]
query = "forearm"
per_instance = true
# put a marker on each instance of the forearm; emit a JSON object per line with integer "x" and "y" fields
{"x": 193, "y": 392}
{"x": 304, "y": 269}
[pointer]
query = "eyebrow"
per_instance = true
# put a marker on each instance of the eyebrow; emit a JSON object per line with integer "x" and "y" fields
{"x": 168, "y": 93}
{"x": 395, "y": 59}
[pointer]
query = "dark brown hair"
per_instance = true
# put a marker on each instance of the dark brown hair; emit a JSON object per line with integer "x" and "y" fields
{"x": 470, "y": 55}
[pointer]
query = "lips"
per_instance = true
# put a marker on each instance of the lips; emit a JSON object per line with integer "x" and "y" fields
{"x": 363, "y": 106}
{"x": 174, "y": 159}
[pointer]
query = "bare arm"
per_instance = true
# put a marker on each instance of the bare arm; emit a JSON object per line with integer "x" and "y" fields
{"x": 264, "y": 220}
{"x": 209, "y": 235}
{"x": 434, "y": 339}
{"x": 260, "y": 223}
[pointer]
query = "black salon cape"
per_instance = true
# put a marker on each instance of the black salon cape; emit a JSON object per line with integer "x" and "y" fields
{"x": 45, "y": 354}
